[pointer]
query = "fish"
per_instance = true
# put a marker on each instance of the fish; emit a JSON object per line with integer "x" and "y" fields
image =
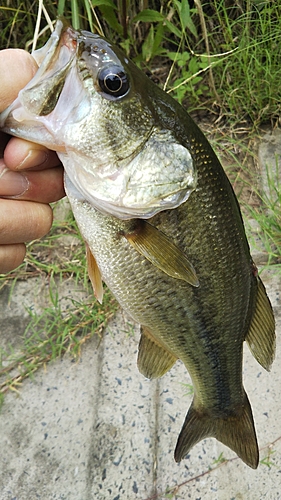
{"x": 162, "y": 225}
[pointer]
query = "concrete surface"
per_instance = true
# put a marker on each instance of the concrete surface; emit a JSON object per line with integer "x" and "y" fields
{"x": 97, "y": 429}
{"x": 270, "y": 161}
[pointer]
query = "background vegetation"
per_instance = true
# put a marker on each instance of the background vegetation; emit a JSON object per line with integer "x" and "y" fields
{"x": 222, "y": 61}
{"x": 223, "y": 55}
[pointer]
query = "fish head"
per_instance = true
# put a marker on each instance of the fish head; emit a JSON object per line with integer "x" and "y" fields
{"x": 94, "y": 107}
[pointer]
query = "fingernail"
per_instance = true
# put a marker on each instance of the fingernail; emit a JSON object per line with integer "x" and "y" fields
{"x": 35, "y": 158}
{"x": 12, "y": 183}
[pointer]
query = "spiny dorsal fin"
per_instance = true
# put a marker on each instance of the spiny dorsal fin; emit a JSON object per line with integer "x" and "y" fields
{"x": 153, "y": 359}
{"x": 162, "y": 252}
{"x": 94, "y": 274}
{"x": 261, "y": 335}
{"x": 236, "y": 431}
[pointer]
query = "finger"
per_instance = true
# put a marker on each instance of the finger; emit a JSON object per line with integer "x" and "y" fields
{"x": 17, "y": 67}
{"x": 21, "y": 155}
{"x": 11, "y": 256}
{"x": 23, "y": 221}
{"x": 44, "y": 186}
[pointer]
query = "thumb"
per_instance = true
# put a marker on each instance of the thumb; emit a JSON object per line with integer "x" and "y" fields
{"x": 17, "y": 67}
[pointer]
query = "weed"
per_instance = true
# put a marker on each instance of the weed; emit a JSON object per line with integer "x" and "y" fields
{"x": 58, "y": 328}
{"x": 259, "y": 194}
{"x": 246, "y": 80}
{"x": 219, "y": 460}
{"x": 267, "y": 217}
{"x": 53, "y": 333}
{"x": 189, "y": 389}
{"x": 267, "y": 461}
{"x": 191, "y": 69}
{"x": 210, "y": 52}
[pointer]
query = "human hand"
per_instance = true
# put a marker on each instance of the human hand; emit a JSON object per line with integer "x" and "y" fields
{"x": 31, "y": 176}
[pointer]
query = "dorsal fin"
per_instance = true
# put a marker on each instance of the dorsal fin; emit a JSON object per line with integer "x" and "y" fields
{"x": 156, "y": 247}
{"x": 94, "y": 274}
{"x": 261, "y": 335}
{"x": 153, "y": 359}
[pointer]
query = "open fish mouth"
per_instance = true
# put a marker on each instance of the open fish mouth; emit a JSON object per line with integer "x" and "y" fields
{"x": 78, "y": 104}
{"x": 54, "y": 59}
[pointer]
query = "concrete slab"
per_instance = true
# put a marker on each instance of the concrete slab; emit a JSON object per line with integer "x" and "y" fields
{"x": 81, "y": 430}
{"x": 123, "y": 441}
{"x": 97, "y": 429}
{"x": 269, "y": 158}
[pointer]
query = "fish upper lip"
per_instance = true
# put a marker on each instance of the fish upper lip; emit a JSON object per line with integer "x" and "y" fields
{"x": 63, "y": 35}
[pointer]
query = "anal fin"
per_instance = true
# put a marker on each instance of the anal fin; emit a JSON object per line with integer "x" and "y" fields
{"x": 235, "y": 430}
{"x": 153, "y": 359}
{"x": 94, "y": 274}
{"x": 261, "y": 334}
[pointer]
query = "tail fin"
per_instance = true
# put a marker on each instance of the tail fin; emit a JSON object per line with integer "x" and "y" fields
{"x": 236, "y": 431}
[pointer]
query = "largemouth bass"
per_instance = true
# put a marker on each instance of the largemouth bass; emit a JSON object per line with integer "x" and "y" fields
{"x": 161, "y": 223}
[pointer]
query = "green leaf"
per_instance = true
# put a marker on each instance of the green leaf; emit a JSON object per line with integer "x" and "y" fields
{"x": 180, "y": 58}
{"x": 107, "y": 3}
{"x": 158, "y": 37}
{"x": 89, "y": 16}
{"x": 193, "y": 66}
{"x": 147, "y": 47}
{"x": 149, "y": 16}
{"x": 171, "y": 27}
{"x": 126, "y": 46}
{"x": 173, "y": 55}
{"x": 61, "y": 6}
{"x": 75, "y": 15}
{"x": 185, "y": 17}
{"x": 111, "y": 19}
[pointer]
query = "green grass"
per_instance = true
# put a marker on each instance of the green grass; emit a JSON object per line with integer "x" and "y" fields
{"x": 259, "y": 193}
{"x": 60, "y": 254}
{"x": 210, "y": 56}
{"x": 52, "y": 334}
{"x": 267, "y": 216}
{"x": 57, "y": 329}
{"x": 246, "y": 81}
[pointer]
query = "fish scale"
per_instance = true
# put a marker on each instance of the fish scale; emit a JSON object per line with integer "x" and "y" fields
{"x": 148, "y": 305}
{"x": 174, "y": 251}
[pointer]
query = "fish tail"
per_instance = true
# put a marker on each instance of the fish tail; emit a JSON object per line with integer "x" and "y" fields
{"x": 235, "y": 430}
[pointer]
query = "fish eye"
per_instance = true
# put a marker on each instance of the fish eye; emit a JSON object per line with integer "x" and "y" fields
{"x": 113, "y": 81}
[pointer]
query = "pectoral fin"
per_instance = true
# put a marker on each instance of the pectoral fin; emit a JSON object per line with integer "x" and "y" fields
{"x": 153, "y": 359}
{"x": 94, "y": 275}
{"x": 261, "y": 335}
{"x": 156, "y": 247}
